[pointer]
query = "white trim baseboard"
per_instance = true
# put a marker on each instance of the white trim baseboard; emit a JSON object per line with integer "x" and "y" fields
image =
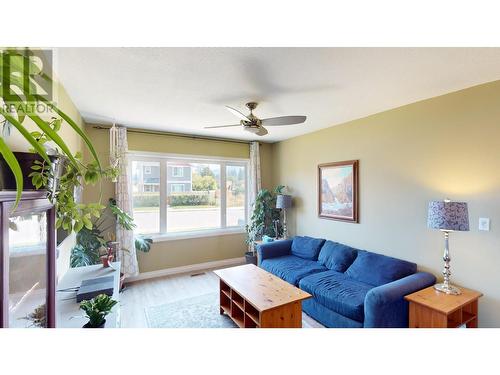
{"x": 187, "y": 269}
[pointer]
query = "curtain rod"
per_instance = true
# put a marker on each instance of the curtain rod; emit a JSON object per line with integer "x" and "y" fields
{"x": 153, "y": 132}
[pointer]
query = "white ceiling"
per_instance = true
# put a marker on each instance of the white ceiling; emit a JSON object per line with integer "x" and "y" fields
{"x": 184, "y": 89}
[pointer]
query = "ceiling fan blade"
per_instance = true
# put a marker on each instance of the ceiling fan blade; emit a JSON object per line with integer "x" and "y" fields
{"x": 220, "y": 126}
{"x": 284, "y": 120}
{"x": 238, "y": 113}
{"x": 262, "y": 131}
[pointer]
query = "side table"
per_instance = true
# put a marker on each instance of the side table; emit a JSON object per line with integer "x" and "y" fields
{"x": 430, "y": 308}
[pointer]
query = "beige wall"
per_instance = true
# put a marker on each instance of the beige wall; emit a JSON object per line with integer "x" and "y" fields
{"x": 176, "y": 253}
{"x": 447, "y": 146}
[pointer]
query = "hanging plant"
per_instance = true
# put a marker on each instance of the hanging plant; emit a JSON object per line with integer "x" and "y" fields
{"x": 53, "y": 165}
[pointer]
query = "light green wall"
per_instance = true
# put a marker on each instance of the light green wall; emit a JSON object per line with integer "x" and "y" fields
{"x": 448, "y": 146}
{"x": 184, "y": 252}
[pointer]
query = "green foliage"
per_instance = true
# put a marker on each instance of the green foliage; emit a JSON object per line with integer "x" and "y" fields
{"x": 203, "y": 183}
{"x": 97, "y": 309}
{"x": 19, "y": 99}
{"x": 14, "y": 167}
{"x": 143, "y": 243}
{"x": 191, "y": 199}
{"x": 264, "y": 213}
{"x": 90, "y": 240}
{"x": 146, "y": 200}
{"x": 81, "y": 256}
{"x": 71, "y": 216}
{"x": 38, "y": 317}
{"x": 206, "y": 171}
{"x": 122, "y": 218}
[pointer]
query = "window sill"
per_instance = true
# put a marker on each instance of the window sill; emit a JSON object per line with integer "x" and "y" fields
{"x": 195, "y": 234}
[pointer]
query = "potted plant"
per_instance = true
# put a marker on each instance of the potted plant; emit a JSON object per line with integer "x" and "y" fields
{"x": 262, "y": 220}
{"x": 49, "y": 164}
{"x": 90, "y": 243}
{"x": 17, "y": 68}
{"x": 37, "y": 317}
{"x": 96, "y": 310}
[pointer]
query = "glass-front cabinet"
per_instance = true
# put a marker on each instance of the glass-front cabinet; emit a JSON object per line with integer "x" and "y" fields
{"x": 27, "y": 261}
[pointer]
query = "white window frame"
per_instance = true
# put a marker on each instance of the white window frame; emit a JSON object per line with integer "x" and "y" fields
{"x": 174, "y": 168}
{"x": 163, "y": 160}
{"x": 172, "y": 184}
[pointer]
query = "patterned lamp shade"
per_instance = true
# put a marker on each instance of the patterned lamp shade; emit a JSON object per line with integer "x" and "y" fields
{"x": 283, "y": 201}
{"x": 448, "y": 216}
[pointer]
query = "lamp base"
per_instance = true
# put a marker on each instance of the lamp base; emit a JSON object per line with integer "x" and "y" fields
{"x": 448, "y": 289}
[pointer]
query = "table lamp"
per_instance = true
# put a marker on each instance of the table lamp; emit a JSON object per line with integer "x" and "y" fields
{"x": 448, "y": 217}
{"x": 283, "y": 202}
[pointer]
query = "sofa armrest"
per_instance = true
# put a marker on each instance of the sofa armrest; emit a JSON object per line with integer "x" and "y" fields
{"x": 274, "y": 249}
{"x": 385, "y": 305}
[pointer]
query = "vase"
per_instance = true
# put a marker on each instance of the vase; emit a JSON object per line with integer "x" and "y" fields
{"x": 87, "y": 325}
{"x": 250, "y": 258}
{"x": 26, "y": 160}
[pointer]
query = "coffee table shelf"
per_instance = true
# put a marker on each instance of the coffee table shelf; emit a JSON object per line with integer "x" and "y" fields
{"x": 254, "y": 298}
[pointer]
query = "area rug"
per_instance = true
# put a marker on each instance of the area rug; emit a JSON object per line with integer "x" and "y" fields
{"x": 197, "y": 312}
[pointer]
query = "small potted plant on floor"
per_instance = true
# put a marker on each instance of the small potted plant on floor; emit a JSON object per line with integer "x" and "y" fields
{"x": 97, "y": 309}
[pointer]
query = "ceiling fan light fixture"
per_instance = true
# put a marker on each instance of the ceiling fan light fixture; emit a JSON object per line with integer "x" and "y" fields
{"x": 252, "y": 129}
{"x": 255, "y": 125}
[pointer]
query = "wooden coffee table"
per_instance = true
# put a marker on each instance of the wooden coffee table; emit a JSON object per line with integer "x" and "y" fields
{"x": 254, "y": 298}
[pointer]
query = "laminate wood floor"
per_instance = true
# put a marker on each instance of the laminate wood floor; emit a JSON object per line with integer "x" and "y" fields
{"x": 153, "y": 292}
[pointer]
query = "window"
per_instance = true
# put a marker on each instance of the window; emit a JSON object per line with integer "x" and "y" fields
{"x": 236, "y": 195}
{"x": 210, "y": 195}
{"x": 147, "y": 169}
{"x": 151, "y": 188}
{"x": 177, "y": 171}
{"x": 176, "y": 188}
{"x": 145, "y": 200}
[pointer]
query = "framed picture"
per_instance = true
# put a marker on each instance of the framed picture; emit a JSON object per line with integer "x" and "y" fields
{"x": 338, "y": 191}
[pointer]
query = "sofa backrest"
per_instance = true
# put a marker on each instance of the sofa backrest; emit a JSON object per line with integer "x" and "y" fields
{"x": 336, "y": 256}
{"x": 306, "y": 247}
{"x": 377, "y": 269}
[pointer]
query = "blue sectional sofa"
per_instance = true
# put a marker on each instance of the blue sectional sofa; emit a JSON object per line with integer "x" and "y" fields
{"x": 351, "y": 288}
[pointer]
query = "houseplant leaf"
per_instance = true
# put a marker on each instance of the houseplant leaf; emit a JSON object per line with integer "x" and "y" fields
{"x": 39, "y": 149}
{"x": 14, "y": 167}
{"x": 54, "y": 136}
{"x": 75, "y": 127}
{"x": 143, "y": 243}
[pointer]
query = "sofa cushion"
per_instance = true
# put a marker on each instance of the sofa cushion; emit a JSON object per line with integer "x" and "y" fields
{"x": 336, "y": 256}
{"x": 307, "y": 247}
{"x": 291, "y": 268}
{"x": 338, "y": 292}
{"x": 378, "y": 269}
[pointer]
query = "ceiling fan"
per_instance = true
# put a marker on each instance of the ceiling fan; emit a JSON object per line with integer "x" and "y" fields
{"x": 255, "y": 125}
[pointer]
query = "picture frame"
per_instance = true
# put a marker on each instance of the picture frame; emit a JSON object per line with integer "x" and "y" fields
{"x": 338, "y": 197}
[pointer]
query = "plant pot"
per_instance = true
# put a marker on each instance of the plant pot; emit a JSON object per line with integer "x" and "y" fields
{"x": 87, "y": 325}
{"x": 106, "y": 260}
{"x": 26, "y": 160}
{"x": 251, "y": 258}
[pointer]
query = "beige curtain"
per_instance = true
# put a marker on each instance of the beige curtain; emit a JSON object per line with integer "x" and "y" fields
{"x": 118, "y": 152}
{"x": 254, "y": 183}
